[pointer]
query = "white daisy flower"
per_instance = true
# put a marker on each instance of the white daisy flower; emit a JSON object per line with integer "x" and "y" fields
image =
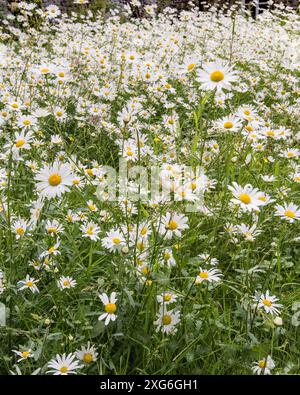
{"x": 246, "y": 197}
{"x": 114, "y": 240}
{"x": 167, "y": 320}
{"x": 173, "y": 224}
{"x": 87, "y": 354}
{"x": 289, "y": 212}
{"x": 54, "y": 180}
{"x": 64, "y": 365}
{"x": 23, "y": 354}
{"x": 210, "y": 275}
{"x": 263, "y": 366}
{"x": 110, "y": 307}
{"x": 66, "y": 282}
{"x": 28, "y": 283}
{"x": 90, "y": 230}
{"x": 267, "y": 303}
{"x": 216, "y": 75}
{"x": 166, "y": 298}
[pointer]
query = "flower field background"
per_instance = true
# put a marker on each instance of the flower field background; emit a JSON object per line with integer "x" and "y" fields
{"x": 201, "y": 275}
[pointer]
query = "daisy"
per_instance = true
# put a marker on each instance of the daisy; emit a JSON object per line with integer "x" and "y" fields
{"x": 173, "y": 224}
{"x": 64, "y": 365}
{"x": 28, "y": 283}
{"x": 216, "y": 75}
{"x": 26, "y": 121}
{"x": 109, "y": 307}
{"x": 32, "y": 165}
{"x": 114, "y": 240}
{"x": 54, "y": 180}
{"x": 247, "y": 112}
{"x": 23, "y": 354}
{"x": 20, "y": 227}
{"x": 210, "y": 275}
{"x": 267, "y": 303}
{"x": 167, "y": 320}
{"x": 87, "y": 354}
{"x": 22, "y": 141}
{"x": 231, "y": 124}
{"x": 66, "y": 282}
{"x": 248, "y": 232}
{"x": 168, "y": 258}
{"x": 189, "y": 65}
{"x": 53, "y": 250}
{"x": 166, "y": 298}
{"x": 91, "y": 230}
{"x": 246, "y": 197}
{"x": 289, "y": 212}
{"x": 92, "y": 206}
{"x": 208, "y": 259}
{"x": 290, "y": 153}
{"x": 52, "y": 11}
{"x": 53, "y": 227}
{"x": 263, "y": 366}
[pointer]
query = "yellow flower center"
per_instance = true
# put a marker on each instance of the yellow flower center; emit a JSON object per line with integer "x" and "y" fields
{"x": 90, "y": 230}
{"x": 89, "y": 172}
{"x": 52, "y": 230}
{"x": 228, "y": 125}
{"x": 51, "y": 250}
{"x": 245, "y": 198}
{"x": 61, "y": 74}
{"x": 64, "y": 369}
{"x": 143, "y": 231}
{"x": 54, "y": 179}
{"x": 20, "y": 231}
{"x": 172, "y": 225}
{"x": 15, "y": 105}
{"x": 110, "y": 308}
{"x": 25, "y": 354}
{"x": 203, "y": 275}
{"x": 267, "y": 303}
{"x": 20, "y": 143}
{"x": 191, "y": 66}
{"x": 59, "y": 113}
{"x": 262, "y": 363}
{"x": 167, "y": 297}
{"x": 247, "y": 112}
{"x": 87, "y": 358}
{"x": 45, "y": 70}
{"x": 249, "y": 128}
{"x": 166, "y": 320}
{"x": 116, "y": 240}
{"x": 193, "y": 186}
{"x": 217, "y": 76}
{"x": 29, "y": 283}
{"x": 270, "y": 133}
{"x": 289, "y": 214}
{"x": 290, "y": 154}
{"x": 66, "y": 283}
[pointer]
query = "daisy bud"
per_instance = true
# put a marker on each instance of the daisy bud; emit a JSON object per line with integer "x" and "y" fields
{"x": 278, "y": 321}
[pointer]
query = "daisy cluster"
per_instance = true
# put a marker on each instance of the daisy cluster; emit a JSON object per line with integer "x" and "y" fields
{"x": 92, "y": 284}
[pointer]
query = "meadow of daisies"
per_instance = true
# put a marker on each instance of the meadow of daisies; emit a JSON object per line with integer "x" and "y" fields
{"x": 199, "y": 275}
